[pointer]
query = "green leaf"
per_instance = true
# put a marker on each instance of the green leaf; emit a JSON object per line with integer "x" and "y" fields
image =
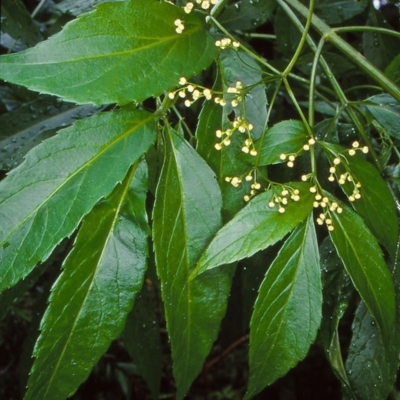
{"x": 255, "y": 227}
{"x": 374, "y": 362}
{"x": 392, "y": 71}
{"x": 246, "y": 14}
{"x": 378, "y": 48}
{"x": 371, "y": 365}
{"x": 287, "y": 312}
{"x": 92, "y": 297}
{"x": 27, "y": 126}
{"x": 285, "y": 137}
{"x": 338, "y": 11}
{"x": 186, "y": 216}
{"x": 119, "y": 53}
{"x": 337, "y": 293}
{"x": 78, "y": 7}
{"x": 43, "y": 200}
{"x": 386, "y": 110}
{"x": 142, "y": 339}
{"x": 376, "y": 205}
{"x": 16, "y": 21}
{"x": 363, "y": 260}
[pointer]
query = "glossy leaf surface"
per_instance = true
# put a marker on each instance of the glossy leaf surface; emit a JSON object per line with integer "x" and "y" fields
{"x": 44, "y": 199}
{"x": 287, "y": 312}
{"x": 93, "y": 295}
{"x": 365, "y": 265}
{"x": 285, "y": 137}
{"x": 254, "y": 228}
{"x": 186, "y": 216}
{"x": 119, "y": 53}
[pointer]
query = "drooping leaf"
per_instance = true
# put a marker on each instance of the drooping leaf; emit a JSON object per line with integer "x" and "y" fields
{"x": 287, "y": 312}
{"x": 33, "y": 122}
{"x": 255, "y": 227}
{"x": 93, "y": 295}
{"x": 43, "y": 200}
{"x": 386, "y": 110}
{"x": 285, "y": 137}
{"x": 363, "y": 260}
{"x": 337, "y": 292}
{"x": 142, "y": 339}
{"x": 186, "y": 216}
{"x": 121, "y": 52}
{"x": 376, "y": 205}
{"x": 16, "y": 21}
{"x": 246, "y": 14}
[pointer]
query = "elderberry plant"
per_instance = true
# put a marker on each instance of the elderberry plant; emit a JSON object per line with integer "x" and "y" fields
{"x": 224, "y": 133}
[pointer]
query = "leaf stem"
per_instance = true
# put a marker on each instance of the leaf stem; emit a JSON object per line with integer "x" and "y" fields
{"x": 366, "y": 29}
{"x": 303, "y": 37}
{"x": 330, "y": 35}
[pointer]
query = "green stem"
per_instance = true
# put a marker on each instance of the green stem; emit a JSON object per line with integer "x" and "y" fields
{"x": 259, "y": 35}
{"x": 303, "y": 37}
{"x": 330, "y": 35}
{"x": 311, "y": 92}
{"x": 296, "y": 104}
{"x": 366, "y": 29}
{"x": 215, "y": 11}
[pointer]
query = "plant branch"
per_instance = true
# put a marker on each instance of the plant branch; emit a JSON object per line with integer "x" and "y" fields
{"x": 330, "y": 35}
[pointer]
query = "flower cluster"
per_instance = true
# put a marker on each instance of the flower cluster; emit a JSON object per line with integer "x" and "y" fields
{"x": 237, "y": 92}
{"x": 291, "y": 157}
{"x": 204, "y": 4}
{"x": 327, "y": 206}
{"x": 195, "y": 90}
{"x": 282, "y": 199}
{"x": 227, "y": 43}
{"x": 356, "y": 146}
{"x": 179, "y": 26}
{"x": 241, "y": 125}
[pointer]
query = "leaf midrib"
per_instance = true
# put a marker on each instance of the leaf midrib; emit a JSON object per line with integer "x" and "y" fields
{"x": 100, "y": 257}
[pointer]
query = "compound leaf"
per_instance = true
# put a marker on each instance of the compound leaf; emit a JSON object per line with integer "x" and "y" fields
{"x": 43, "y": 200}
{"x": 93, "y": 295}
{"x": 255, "y": 227}
{"x": 287, "y": 312}
{"x": 121, "y": 52}
{"x": 187, "y": 213}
